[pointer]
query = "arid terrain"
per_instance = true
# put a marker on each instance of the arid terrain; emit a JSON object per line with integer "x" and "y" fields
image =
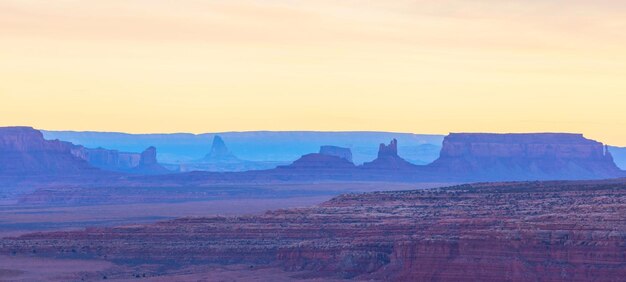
{"x": 548, "y": 231}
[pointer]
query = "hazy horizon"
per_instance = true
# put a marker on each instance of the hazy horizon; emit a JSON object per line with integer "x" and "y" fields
{"x": 401, "y": 66}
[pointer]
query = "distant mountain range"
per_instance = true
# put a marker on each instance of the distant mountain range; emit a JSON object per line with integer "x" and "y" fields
{"x": 258, "y": 146}
{"x": 464, "y": 157}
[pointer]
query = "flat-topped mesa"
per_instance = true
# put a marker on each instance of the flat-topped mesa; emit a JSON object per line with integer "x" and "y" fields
{"x": 24, "y": 151}
{"x": 530, "y": 145}
{"x": 341, "y": 152}
{"x": 28, "y": 139}
{"x": 388, "y": 158}
{"x": 320, "y": 161}
{"x": 526, "y": 156}
{"x": 329, "y": 158}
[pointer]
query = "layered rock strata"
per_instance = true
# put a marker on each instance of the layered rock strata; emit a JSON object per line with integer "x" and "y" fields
{"x": 549, "y": 231}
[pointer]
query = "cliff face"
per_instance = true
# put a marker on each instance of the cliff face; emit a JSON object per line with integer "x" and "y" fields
{"x": 112, "y": 160}
{"x": 341, "y": 152}
{"x": 619, "y": 155}
{"x": 525, "y": 156}
{"x": 550, "y": 231}
{"x": 148, "y": 163}
{"x": 23, "y": 151}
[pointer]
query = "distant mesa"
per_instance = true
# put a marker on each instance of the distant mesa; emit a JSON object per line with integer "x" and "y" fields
{"x": 320, "y": 161}
{"x": 113, "y": 160}
{"x": 388, "y": 158}
{"x": 341, "y": 152}
{"x": 329, "y": 157}
{"x": 24, "y": 151}
{"x": 105, "y": 159}
{"x": 525, "y": 156}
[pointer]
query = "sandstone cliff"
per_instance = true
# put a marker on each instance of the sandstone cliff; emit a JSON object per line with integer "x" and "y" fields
{"x": 525, "y": 156}
{"x": 24, "y": 151}
{"x": 105, "y": 159}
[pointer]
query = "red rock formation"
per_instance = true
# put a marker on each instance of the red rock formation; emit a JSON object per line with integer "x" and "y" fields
{"x": 549, "y": 231}
{"x": 525, "y": 156}
{"x": 23, "y": 151}
{"x": 388, "y": 159}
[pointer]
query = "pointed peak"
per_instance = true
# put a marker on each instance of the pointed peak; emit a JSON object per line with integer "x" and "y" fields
{"x": 218, "y": 147}
{"x": 218, "y": 140}
{"x": 219, "y": 151}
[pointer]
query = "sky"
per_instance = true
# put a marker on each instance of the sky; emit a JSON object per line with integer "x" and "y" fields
{"x": 416, "y": 66}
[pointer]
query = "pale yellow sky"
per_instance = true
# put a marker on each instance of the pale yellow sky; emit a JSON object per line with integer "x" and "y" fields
{"x": 411, "y": 66}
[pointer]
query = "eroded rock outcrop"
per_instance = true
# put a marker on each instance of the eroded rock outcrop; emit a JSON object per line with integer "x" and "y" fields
{"x": 549, "y": 231}
{"x": 148, "y": 163}
{"x": 388, "y": 158}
